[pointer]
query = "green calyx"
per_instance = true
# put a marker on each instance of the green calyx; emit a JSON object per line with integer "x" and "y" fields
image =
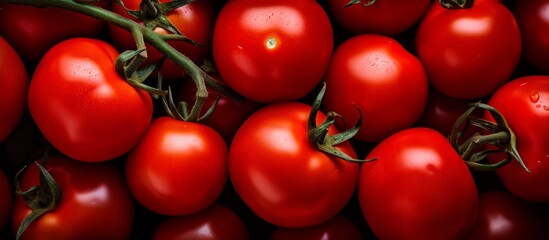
{"x": 364, "y": 4}
{"x": 456, "y": 4}
{"x": 318, "y": 135}
{"x": 498, "y": 134}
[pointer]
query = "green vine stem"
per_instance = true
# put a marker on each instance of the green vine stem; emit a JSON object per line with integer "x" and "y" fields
{"x": 498, "y": 134}
{"x": 159, "y": 41}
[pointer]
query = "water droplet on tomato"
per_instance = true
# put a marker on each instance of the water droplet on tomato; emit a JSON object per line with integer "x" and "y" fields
{"x": 534, "y": 97}
{"x": 545, "y": 107}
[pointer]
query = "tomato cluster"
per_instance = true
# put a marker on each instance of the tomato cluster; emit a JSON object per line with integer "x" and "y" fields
{"x": 335, "y": 119}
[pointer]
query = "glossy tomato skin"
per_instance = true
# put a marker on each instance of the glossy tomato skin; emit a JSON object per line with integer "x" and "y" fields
{"x": 469, "y": 53}
{"x": 504, "y": 216}
{"x": 386, "y": 82}
{"x": 228, "y": 114}
{"x": 178, "y": 167}
{"x": 217, "y": 222}
{"x": 417, "y": 188}
{"x": 5, "y": 200}
{"x": 378, "y": 18}
{"x": 33, "y": 31}
{"x": 82, "y": 106}
{"x": 272, "y": 51}
{"x": 95, "y": 202}
{"x": 533, "y": 19}
{"x": 337, "y": 228}
{"x": 13, "y": 89}
{"x": 195, "y": 20}
{"x": 524, "y": 102}
{"x": 281, "y": 176}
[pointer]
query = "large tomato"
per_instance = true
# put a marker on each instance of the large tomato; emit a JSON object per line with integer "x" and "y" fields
{"x": 195, "y": 20}
{"x": 13, "y": 89}
{"x": 178, "y": 167}
{"x": 82, "y": 106}
{"x": 417, "y": 188}
{"x": 217, "y": 222}
{"x": 385, "y": 81}
{"x": 533, "y": 19}
{"x": 272, "y": 51}
{"x": 95, "y": 202}
{"x": 281, "y": 176}
{"x": 33, "y": 31}
{"x": 469, "y": 53}
{"x": 524, "y": 102}
{"x": 503, "y": 216}
{"x": 385, "y": 17}
{"x": 5, "y": 200}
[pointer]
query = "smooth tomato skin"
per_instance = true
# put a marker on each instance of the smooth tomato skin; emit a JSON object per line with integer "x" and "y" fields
{"x": 195, "y": 20}
{"x": 533, "y": 20}
{"x": 6, "y": 200}
{"x": 504, "y": 216}
{"x": 82, "y": 106}
{"x": 281, "y": 176}
{"x": 14, "y": 85}
{"x": 33, "y": 31}
{"x": 178, "y": 167}
{"x": 417, "y": 188}
{"x": 217, "y": 222}
{"x": 95, "y": 202}
{"x": 337, "y": 228}
{"x": 228, "y": 114}
{"x": 379, "y": 18}
{"x": 386, "y": 82}
{"x": 524, "y": 103}
{"x": 469, "y": 53}
{"x": 272, "y": 51}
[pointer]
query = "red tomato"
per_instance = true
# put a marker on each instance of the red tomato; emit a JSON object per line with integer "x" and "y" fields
{"x": 178, "y": 167}
{"x": 504, "y": 216}
{"x": 95, "y": 202}
{"x": 524, "y": 102}
{"x": 418, "y": 188}
{"x": 386, "y": 17}
{"x": 13, "y": 89}
{"x": 337, "y": 228}
{"x": 533, "y": 20}
{"x": 5, "y": 200}
{"x": 469, "y": 53}
{"x": 228, "y": 114}
{"x": 272, "y": 51}
{"x": 385, "y": 81}
{"x": 195, "y": 20}
{"x": 33, "y": 31}
{"x": 82, "y": 106}
{"x": 216, "y": 223}
{"x": 282, "y": 177}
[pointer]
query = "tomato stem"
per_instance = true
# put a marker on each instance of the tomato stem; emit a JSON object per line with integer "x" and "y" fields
{"x": 355, "y": 2}
{"x": 456, "y": 4}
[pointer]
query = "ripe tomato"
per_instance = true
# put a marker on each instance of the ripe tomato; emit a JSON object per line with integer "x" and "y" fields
{"x": 503, "y": 216}
{"x": 385, "y": 81}
{"x": 13, "y": 89}
{"x": 215, "y": 222}
{"x": 380, "y": 17}
{"x": 228, "y": 114}
{"x": 337, "y": 228}
{"x": 33, "y": 31}
{"x": 524, "y": 102}
{"x": 272, "y": 51}
{"x": 178, "y": 167}
{"x": 82, "y": 106}
{"x": 195, "y": 20}
{"x": 418, "y": 188}
{"x": 469, "y": 53}
{"x": 533, "y": 20}
{"x": 95, "y": 202}
{"x": 5, "y": 200}
{"x": 282, "y": 177}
